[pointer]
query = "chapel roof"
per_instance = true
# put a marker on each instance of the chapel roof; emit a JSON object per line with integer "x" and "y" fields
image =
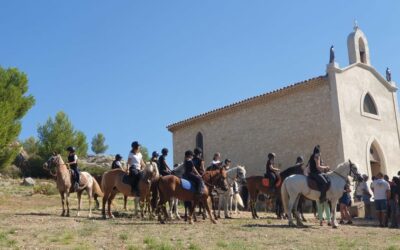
{"x": 248, "y": 102}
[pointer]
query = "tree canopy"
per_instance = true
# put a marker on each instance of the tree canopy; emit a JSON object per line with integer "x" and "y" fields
{"x": 98, "y": 144}
{"x": 14, "y": 105}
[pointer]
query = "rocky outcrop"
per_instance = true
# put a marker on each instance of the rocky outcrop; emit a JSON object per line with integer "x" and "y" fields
{"x": 28, "y": 182}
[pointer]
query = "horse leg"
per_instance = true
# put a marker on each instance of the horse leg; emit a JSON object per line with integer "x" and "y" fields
{"x": 110, "y": 200}
{"x": 141, "y": 204}
{"x": 136, "y": 201}
{"x": 207, "y": 207}
{"x": 79, "y": 194}
{"x": 191, "y": 211}
{"x": 103, "y": 205}
{"x": 219, "y": 206}
{"x": 175, "y": 205}
{"x": 301, "y": 205}
{"x": 62, "y": 203}
{"x": 333, "y": 213}
{"x": 292, "y": 202}
{"x": 297, "y": 215}
{"x": 66, "y": 199}
{"x": 125, "y": 202}
{"x": 90, "y": 196}
{"x": 228, "y": 203}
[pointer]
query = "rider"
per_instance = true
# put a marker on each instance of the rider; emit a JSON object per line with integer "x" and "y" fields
{"x": 198, "y": 161}
{"x": 227, "y": 164}
{"x": 162, "y": 163}
{"x": 135, "y": 161}
{"x": 271, "y": 171}
{"x": 299, "y": 161}
{"x": 316, "y": 171}
{"x": 215, "y": 163}
{"x": 191, "y": 173}
{"x": 154, "y": 157}
{"x": 73, "y": 163}
{"x": 117, "y": 162}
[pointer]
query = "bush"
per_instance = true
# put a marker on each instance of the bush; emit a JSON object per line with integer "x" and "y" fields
{"x": 45, "y": 188}
{"x": 93, "y": 170}
{"x": 12, "y": 171}
{"x": 34, "y": 168}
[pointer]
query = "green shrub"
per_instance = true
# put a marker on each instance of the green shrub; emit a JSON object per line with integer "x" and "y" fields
{"x": 45, "y": 188}
{"x": 93, "y": 170}
{"x": 12, "y": 171}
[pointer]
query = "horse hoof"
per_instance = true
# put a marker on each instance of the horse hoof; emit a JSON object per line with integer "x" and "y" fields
{"x": 334, "y": 226}
{"x": 104, "y": 217}
{"x": 291, "y": 224}
{"x": 77, "y": 215}
{"x": 214, "y": 221}
{"x": 162, "y": 222}
{"x": 191, "y": 222}
{"x": 67, "y": 215}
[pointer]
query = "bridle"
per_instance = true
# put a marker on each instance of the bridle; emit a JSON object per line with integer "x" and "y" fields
{"x": 351, "y": 171}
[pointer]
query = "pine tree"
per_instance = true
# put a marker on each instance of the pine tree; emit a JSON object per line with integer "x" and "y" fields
{"x": 14, "y": 105}
{"x": 98, "y": 144}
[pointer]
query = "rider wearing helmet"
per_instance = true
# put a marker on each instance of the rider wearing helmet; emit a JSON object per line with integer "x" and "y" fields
{"x": 73, "y": 164}
{"x": 198, "y": 160}
{"x": 135, "y": 163}
{"x": 163, "y": 168}
{"x": 117, "y": 162}
{"x": 227, "y": 164}
{"x": 154, "y": 157}
{"x": 316, "y": 171}
{"x": 192, "y": 174}
{"x": 271, "y": 171}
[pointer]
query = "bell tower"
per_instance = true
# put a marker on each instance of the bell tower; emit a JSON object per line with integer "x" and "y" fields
{"x": 357, "y": 46}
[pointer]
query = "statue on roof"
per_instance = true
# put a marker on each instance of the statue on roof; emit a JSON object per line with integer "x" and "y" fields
{"x": 388, "y": 75}
{"x": 332, "y": 55}
{"x": 355, "y": 25}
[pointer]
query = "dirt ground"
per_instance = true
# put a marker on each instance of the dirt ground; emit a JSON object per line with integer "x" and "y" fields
{"x": 33, "y": 221}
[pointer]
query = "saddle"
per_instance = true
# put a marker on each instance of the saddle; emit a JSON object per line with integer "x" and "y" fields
{"x": 82, "y": 180}
{"x": 130, "y": 180}
{"x": 187, "y": 185}
{"x": 266, "y": 182}
{"x": 312, "y": 184}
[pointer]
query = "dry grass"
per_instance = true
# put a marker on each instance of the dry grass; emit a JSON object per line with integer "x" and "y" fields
{"x": 32, "y": 221}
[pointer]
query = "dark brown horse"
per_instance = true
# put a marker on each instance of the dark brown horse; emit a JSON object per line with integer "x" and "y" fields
{"x": 171, "y": 187}
{"x": 257, "y": 185}
{"x": 211, "y": 179}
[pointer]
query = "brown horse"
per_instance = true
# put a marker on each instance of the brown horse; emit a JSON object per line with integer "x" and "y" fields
{"x": 171, "y": 187}
{"x": 95, "y": 196}
{"x": 256, "y": 185}
{"x": 112, "y": 183}
{"x": 64, "y": 183}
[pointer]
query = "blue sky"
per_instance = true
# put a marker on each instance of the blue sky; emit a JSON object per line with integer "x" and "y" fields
{"x": 130, "y": 68}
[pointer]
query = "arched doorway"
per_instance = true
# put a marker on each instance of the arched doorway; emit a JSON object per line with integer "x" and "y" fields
{"x": 376, "y": 159}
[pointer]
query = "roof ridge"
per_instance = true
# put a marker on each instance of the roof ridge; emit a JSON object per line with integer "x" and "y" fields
{"x": 242, "y": 102}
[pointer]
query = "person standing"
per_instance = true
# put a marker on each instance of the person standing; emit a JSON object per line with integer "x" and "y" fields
{"x": 366, "y": 197}
{"x": 73, "y": 164}
{"x": 381, "y": 189}
{"x": 321, "y": 208}
{"x": 393, "y": 202}
{"x": 163, "y": 168}
{"x": 345, "y": 202}
{"x": 215, "y": 163}
{"x": 117, "y": 162}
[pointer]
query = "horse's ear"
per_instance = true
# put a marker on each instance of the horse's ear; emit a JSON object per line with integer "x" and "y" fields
{"x": 350, "y": 162}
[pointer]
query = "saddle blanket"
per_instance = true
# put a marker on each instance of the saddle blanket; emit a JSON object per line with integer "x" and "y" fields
{"x": 187, "y": 185}
{"x": 265, "y": 182}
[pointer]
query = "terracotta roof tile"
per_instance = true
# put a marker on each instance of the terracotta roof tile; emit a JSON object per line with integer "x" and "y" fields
{"x": 253, "y": 99}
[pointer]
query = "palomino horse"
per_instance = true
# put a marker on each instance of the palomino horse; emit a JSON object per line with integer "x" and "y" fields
{"x": 171, "y": 187}
{"x": 236, "y": 174}
{"x": 95, "y": 196}
{"x": 112, "y": 183}
{"x": 64, "y": 183}
{"x": 297, "y": 185}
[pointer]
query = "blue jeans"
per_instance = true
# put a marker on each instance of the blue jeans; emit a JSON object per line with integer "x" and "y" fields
{"x": 76, "y": 174}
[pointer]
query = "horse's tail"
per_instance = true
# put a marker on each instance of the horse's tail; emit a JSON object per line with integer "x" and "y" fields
{"x": 96, "y": 188}
{"x": 237, "y": 198}
{"x": 285, "y": 197}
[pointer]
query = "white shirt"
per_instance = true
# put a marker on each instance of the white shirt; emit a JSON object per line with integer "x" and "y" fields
{"x": 380, "y": 186}
{"x": 135, "y": 159}
{"x": 360, "y": 188}
{"x": 215, "y": 162}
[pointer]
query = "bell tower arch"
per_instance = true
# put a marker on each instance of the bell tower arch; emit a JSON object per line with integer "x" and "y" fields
{"x": 357, "y": 46}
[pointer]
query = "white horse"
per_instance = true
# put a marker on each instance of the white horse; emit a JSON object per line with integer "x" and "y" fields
{"x": 296, "y": 185}
{"x": 225, "y": 198}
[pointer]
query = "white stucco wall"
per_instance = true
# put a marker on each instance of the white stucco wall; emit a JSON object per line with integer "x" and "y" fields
{"x": 358, "y": 130}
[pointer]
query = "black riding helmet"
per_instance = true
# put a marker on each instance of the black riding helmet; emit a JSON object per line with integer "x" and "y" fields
{"x": 154, "y": 154}
{"x": 197, "y": 151}
{"x": 227, "y": 161}
{"x": 317, "y": 150}
{"x": 118, "y": 157}
{"x": 188, "y": 153}
{"x": 271, "y": 156}
{"x": 71, "y": 149}
{"x": 164, "y": 151}
{"x": 135, "y": 144}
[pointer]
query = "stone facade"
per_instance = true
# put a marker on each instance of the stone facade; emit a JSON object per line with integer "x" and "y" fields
{"x": 327, "y": 110}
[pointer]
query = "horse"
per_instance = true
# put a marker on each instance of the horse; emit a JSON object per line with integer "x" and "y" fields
{"x": 297, "y": 185}
{"x": 225, "y": 197}
{"x": 296, "y": 169}
{"x": 95, "y": 196}
{"x": 64, "y": 184}
{"x": 170, "y": 186}
{"x": 113, "y": 182}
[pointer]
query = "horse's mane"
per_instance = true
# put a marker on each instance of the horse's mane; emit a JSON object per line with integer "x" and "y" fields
{"x": 235, "y": 168}
{"x": 296, "y": 169}
{"x": 150, "y": 168}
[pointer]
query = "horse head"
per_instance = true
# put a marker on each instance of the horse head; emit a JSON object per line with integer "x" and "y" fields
{"x": 220, "y": 180}
{"x": 150, "y": 171}
{"x": 353, "y": 172}
{"x": 53, "y": 162}
{"x": 241, "y": 174}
